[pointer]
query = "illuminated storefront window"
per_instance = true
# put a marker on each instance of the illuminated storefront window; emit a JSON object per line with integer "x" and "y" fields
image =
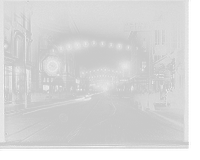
{"x": 28, "y": 74}
{"x": 8, "y": 84}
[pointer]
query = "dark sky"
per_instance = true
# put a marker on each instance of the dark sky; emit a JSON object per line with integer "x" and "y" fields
{"x": 105, "y": 19}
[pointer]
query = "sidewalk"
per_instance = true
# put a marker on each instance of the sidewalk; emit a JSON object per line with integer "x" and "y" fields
{"x": 175, "y": 115}
{"x": 11, "y": 107}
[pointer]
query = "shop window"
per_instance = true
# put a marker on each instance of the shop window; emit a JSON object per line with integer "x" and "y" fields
{"x": 144, "y": 65}
{"x": 8, "y": 83}
{"x": 7, "y": 38}
{"x": 44, "y": 80}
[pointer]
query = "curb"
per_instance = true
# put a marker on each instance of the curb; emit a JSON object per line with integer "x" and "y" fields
{"x": 168, "y": 119}
{"x": 19, "y": 107}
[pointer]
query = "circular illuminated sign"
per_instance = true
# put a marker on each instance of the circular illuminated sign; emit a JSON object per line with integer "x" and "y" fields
{"x": 51, "y": 66}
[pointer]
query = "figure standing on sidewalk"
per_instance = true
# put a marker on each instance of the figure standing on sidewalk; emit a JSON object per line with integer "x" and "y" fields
{"x": 168, "y": 97}
{"x": 152, "y": 100}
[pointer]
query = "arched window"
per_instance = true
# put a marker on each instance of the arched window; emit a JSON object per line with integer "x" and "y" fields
{"x": 19, "y": 46}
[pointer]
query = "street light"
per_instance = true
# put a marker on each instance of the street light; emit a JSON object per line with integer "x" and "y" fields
{"x": 125, "y": 67}
{"x": 110, "y": 45}
{"x": 128, "y": 47}
{"x": 68, "y": 47}
{"x": 119, "y": 46}
{"x": 85, "y": 44}
{"x": 77, "y": 45}
{"x": 102, "y": 44}
{"x": 93, "y": 43}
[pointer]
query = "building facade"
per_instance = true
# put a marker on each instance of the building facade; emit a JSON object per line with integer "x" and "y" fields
{"x": 168, "y": 58}
{"x": 18, "y": 60}
{"x": 54, "y": 67}
{"x": 158, "y": 53}
{"x": 141, "y": 50}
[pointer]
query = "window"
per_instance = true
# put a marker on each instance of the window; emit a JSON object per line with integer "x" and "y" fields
{"x": 160, "y": 37}
{"x": 19, "y": 50}
{"x": 174, "y": 40}
{"x": 7, "y": 38}
{"x": 19, "y": 20}
{"x": 27, "y": 24}
{"x": 71, "y": 66}
{"x": 144, "y": 46}
{"x": 144, "y": 65}
{"x": 157, "y": 37}
{"x": 163, "y": 37}
{"x": 44, "y": 79}
{"x": 8, "y": 83}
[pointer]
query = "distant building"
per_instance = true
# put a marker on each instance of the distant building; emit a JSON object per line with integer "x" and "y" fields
{"x": 54, "y": 66}
{"x": 18, "y": 58}
{"x": 158, "y": 52}
{"x": 83, "y": 77}
{"x": 168, "y": 58}
{"x": 141, "y": 48}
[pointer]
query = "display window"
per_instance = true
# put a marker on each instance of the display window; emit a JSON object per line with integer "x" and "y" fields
{"x": 8, "y": 83}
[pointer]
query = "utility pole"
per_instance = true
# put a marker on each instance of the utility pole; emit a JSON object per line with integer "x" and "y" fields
{"x": 25, "y": 56}
{"x": 25, "y": 87}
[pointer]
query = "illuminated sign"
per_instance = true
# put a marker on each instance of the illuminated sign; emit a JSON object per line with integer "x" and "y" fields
{"x": 51, "y": 66}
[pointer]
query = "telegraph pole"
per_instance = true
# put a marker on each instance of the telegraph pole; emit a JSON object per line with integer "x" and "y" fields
{"x": 25, "y": 56}
{"x": 25, "y": 87}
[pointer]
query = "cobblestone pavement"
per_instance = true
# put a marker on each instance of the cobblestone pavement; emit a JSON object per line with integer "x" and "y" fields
{"x": 102, "y": 120}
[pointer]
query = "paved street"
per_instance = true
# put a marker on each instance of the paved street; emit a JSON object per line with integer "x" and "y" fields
{"x": 101, "y": 120}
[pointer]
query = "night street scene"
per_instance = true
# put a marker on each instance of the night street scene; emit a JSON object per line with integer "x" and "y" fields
{"x": 95, "y": 74}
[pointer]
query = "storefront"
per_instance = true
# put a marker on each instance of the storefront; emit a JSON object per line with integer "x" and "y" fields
{"x": 140, "y": 84}
{"x": 57, "y": 88}
{"x": 163, "y": 81}
{"x": 19, "y": 84}
{"x": 8, "y": 86}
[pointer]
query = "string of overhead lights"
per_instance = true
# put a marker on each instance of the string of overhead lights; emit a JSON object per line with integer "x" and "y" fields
{"x": 102, "y": 76}
{"x": 78, "y": 45}
{"x": 102, "y": 70}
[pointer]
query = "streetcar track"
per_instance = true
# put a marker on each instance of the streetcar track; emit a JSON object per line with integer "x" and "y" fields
{"x": 36, "y": 132}
{"x": 43, "y": 106}
{"x": 73, "y": 133}
{"x": 32, "y": 125}
{"x": 102, "y": 121}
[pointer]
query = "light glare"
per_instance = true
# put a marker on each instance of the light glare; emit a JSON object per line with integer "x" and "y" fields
{"x": 102, "y": 44}
{"x": 119, "y": 46}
